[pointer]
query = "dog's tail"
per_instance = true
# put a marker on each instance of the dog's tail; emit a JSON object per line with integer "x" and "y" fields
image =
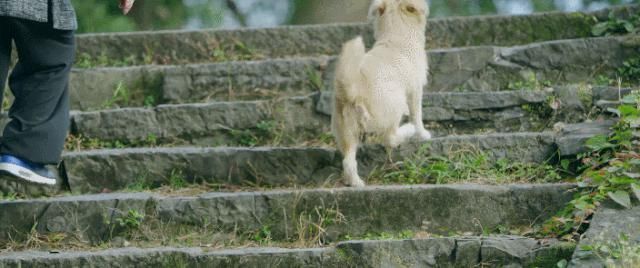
{"x": 348, "y": 68}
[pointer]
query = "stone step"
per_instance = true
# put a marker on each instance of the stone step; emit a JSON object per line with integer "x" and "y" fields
{"x": 97, "y": 171}
{"x": 431, "y": 252}
{"x": 295, "y": 120}
{"x": 612, "y": 230}
{"x": 299, "y": 120}
{"x": 460, "y": 69}
{"x": 286, "y": 215}
{"x": 178, "y": 47}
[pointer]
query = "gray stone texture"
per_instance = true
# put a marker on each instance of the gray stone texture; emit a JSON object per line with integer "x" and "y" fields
{"x": 466, "y": 69}
{"x": 393, "y": 209}
{"x": 572, "y": 138}
{"x": 202, "y": 123}
{"x": 179, "y": 47}
{"x": 95, "y": 171}
{"x": 609, "y": 225}
{"x": 300, "y": 119}
{"x": 434, "y": 252}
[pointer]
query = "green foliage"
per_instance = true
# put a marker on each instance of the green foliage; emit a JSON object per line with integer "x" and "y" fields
{"x": 630, "y": 71}
{"x": 609, "y": 171}
{"x": 531, "y": 82}
{"x": 465, "y": 166}
{"x": 132, "y": 220}
{"x": 9, "y": 196}
{"x": 129, "y": 222}
{"x": 406, "y": 234}
{"x": 150, "y": 101}
{"x": 177, "y": 180}
{"x": 614, "y": 25}
{"x": 262, "y": 236}
{"x": 121, "y": 97}
{"x": 105, "y": 16}
{"x": 315, "y": 79}
{"x": 235, "y": 51}
{"x": 265, "y": 132}
{"x": 140, "y": 185}
{"x": 85, "y": 60}
{"x": 79, "y": 142}
{"x": 619, "y": 253}
{"x": 101, "y": 16}
{"x": 603, "y": 80}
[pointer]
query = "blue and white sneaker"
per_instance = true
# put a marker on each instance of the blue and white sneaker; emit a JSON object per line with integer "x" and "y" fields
{"x": 25, "y": 170}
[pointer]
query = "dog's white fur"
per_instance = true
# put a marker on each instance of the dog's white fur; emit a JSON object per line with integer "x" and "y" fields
{"x": 375, "y": 89}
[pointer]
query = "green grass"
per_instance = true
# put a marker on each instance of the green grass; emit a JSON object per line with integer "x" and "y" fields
{"x": 531, "y": 82}
{"x": 463, "y": 166}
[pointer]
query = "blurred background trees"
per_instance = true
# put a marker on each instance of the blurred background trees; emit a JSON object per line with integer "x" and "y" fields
{"x": 104, "y": 16}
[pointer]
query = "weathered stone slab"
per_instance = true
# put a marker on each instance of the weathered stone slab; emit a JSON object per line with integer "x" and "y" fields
{"x": 610, "y": 225}
{"x": 434, "y": 252}
{"x": 503, "y": 251}
{"x": 204, "y": 123}
{"x": 467, "y": 69}
{"x": 434, "y": 209}
{"x": 296, "y": 118}
{"x": 94, "y": 171}
{"x": 172, "y": 257}
{"x": 572, "y": 138}
{"x": 560, "y": 62}
{"x": 176, "y": 47}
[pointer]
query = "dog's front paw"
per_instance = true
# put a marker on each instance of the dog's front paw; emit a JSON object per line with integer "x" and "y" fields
{"x": 424, "y": 135}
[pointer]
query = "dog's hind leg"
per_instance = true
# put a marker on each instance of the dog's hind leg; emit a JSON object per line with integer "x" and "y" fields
{"x": 415, "y": 113}
{"x": 350, "y": 164}
{"x": 346, "y": 129}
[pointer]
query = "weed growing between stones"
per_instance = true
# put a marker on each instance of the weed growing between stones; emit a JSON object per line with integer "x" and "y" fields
{"x": 75, "y": 143}
{"x": 10, "y": 196}
{"x": 85, "y": 60}
{"x": 177, "y": 180}
{"x": 610, "y": 170}
{"x": 545, "y": 112}
{"x": 616, "y": 254}
{"x": 235, "y": 51}
{"x": 630, "y": 71}
{"x": 311, "y": 227}
{"x": 262, "y": 236}
{"x": 121, "y": 97}
{"x": 616, "y": 26}
{"x": 470, "y": 165}
{"x": 315, "y": 79}
{"x": 531, "y": 82}
{"x": 265, "y": 133}
{"x": 126, "y": 223}
{"x": 406, "y": 234}
{"x": 627, "y": 75}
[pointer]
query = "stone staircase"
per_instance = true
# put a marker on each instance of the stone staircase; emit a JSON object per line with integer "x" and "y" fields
{"x": 212, "y": 149}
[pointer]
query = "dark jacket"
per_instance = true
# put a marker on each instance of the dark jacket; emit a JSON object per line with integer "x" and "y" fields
{"x": 64, "y": 17}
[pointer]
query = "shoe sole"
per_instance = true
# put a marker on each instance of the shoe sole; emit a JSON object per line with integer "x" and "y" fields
{"x": 26, "y": 174}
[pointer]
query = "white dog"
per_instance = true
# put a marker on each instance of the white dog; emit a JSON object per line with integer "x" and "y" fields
{"x": 375, "y": 89}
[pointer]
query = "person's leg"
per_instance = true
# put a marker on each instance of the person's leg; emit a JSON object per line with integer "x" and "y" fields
{"x": 39, "y": 82}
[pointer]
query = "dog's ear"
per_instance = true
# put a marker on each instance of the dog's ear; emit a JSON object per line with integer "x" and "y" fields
{"x": 382, "y": 8}
{"x": 377, "y": 9}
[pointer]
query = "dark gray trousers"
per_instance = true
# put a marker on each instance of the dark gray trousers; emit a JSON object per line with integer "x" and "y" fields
{"x": 40, "y": 83}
